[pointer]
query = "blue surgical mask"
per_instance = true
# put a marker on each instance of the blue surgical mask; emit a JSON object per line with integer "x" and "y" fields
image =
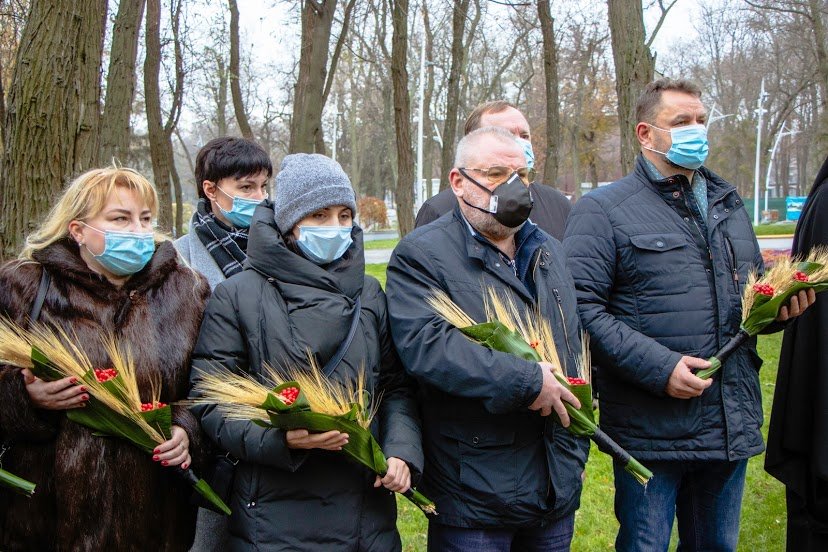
{"x": 324, "y": 244}
{"x": 689, "y": 149}
{"x": 125, "y": 253}
{"x": 241, "y": 214}
{"x": 528, "y": 152}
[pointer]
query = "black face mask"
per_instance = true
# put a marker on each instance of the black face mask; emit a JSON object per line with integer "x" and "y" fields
{"x": 510, "y": 203}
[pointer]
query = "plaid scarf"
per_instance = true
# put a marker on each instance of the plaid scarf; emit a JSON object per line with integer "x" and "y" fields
{"x": 227, "y": 247}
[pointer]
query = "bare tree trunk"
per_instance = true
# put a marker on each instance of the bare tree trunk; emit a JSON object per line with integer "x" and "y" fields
{"x": 221, "y": 97}
{"x": 402, "y": 118}
{"x": 306, "y": 122}
{"x": 428, "y": 141}
{"x": 51, "y": 128}
{"x": 120, "y": 82}
{"x": 155, "y": 127}
{"x": 235, "y": 87}
{"x": 458, "y": 25}
{"x": 550, "y": 72}
{"x": 634, "y": 68}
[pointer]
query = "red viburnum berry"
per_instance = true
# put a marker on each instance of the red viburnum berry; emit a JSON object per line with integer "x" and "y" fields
{"x": 576, "y": 381}
{"x": 288, "y": 395}
{"x": 763, "y": 289}
{"x": 800, "y": 276}
{"x": 105, "y": 374}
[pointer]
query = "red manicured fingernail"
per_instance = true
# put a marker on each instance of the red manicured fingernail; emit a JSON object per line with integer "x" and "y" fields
{"x": 164, "y": 463}
{"x": 83, "y": 388}
{"x": 85, "y": 397}
{"x": 156, "y": 451}
{"x": 74, "y": 380}
{"x": 184, "y": 467}
{"x": 155, "y": 458}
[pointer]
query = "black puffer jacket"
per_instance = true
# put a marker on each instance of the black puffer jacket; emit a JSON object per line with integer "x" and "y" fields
{"x": 490, "y": 461}
{"x": 651, "y": 289}
{"x": 279, "y": 308}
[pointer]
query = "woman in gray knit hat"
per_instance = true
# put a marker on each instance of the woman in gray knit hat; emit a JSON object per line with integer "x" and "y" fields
{"x": 302, "y": 289}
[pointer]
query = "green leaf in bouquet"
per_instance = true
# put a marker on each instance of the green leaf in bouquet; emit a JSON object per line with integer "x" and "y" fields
{"x": 43, "y": 368}
{"x": 102, "y": 419}
{"x": 496, "y": 336}
{"x": 276, "y": 404}
{"x": 161, "y": 419}
{"x": 16, "y": 483}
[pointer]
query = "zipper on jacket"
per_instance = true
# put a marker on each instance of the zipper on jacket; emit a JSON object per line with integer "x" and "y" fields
{"x": 563, "y": 320}
{"x": 732, "y": 257}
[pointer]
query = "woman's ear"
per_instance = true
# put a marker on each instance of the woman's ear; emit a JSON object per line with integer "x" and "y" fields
{"x": 76, "y": 229}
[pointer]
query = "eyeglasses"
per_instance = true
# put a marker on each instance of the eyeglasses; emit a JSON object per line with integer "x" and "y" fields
{"x": 499, "y": 174}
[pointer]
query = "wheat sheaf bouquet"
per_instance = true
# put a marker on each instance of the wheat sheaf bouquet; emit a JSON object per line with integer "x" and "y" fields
{"x": 302, "y": 399}
{"x": 115, "y": 408}
{"x": 764, "y": 297}
{"x": 529, "y": 336}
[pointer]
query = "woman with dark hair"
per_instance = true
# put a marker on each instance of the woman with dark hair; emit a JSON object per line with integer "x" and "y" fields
{"x": 231, "y": 177}
{"x": 302, "y": 289}
{"x": 103, "y": 271}
{"x": 797, "y": 452}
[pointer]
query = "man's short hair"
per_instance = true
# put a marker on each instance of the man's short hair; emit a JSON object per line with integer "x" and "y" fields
{"x": 230, "y": 157}
{"x": 473, "y": 120}
{"x": 467, "y": 145}
{"x": 646, "y": 108}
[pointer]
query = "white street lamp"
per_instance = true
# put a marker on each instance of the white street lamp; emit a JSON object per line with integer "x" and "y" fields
{"x": 760, "y": 111}
{"x": 779, "y": 137}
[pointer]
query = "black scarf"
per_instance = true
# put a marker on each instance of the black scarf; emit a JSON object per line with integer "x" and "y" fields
{"x": 226, "y": 246}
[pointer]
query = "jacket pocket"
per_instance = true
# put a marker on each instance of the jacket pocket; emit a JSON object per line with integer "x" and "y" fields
{"x": 486, "y": 455}
{"x": 659, "y": 263}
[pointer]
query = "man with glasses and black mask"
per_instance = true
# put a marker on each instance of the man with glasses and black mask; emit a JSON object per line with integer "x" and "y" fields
{"x": 551, "y": 207}
{"x": 503, "y": 473}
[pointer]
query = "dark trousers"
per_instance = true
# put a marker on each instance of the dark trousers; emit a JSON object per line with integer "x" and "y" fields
{"x": 804, "y": 533}
{"x": 553, "y": 537}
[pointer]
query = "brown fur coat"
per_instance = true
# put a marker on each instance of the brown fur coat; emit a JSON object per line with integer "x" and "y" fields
{"x": 96, "y": 493}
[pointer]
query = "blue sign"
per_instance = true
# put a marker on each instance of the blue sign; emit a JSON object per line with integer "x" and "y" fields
{"x": 793, "y": 207}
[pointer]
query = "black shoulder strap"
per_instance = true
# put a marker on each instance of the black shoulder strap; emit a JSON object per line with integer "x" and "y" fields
{"x": 331, "y": 365}
{"x": 37, "y": 306}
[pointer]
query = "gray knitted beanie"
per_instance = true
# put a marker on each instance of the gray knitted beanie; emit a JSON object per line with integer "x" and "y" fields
{"x": 306, "y": 183}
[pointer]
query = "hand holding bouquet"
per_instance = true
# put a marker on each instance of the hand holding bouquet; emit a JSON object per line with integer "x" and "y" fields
{"x": 530, "y": 337}
{"x": 304, "y": 400}
{"x": 764, "y": 297}
{"x": 114, "y": 408}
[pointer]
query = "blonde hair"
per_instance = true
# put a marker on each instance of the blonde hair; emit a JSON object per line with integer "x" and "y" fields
{"x": 84, "y": 198}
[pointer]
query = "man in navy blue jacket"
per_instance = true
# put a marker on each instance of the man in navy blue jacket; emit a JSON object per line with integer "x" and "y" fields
{"x": 503, "y": 474}
{"x": 660, "y": 259}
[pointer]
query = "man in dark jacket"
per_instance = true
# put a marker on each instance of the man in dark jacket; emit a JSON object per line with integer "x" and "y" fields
{"x": 798, "y": 434}
{"x": 660, "y": 259}
{"x": 500, "y": 470}
{"x": 551, "y": 207}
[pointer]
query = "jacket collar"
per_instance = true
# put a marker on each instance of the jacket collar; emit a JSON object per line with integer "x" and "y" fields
{"x": 717, "y": 188}
{"x": 268, "y": 254}
{"x": 63, "y": 258}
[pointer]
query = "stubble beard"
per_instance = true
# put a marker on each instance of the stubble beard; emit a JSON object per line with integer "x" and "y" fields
{"x": 484, "y": 223}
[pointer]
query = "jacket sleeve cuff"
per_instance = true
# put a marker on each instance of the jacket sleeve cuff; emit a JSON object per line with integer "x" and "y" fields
{"x": 532, "y": 386}
{"x": 657, "y": 384}
{"x": 183, "y": 418}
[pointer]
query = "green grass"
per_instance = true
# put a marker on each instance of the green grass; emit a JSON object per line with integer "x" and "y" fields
{"x": 763, "y": 507}
{"x": 381, "y": 244}
{"x": 775, "y": 229}
{"x": 377, "y": 271}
